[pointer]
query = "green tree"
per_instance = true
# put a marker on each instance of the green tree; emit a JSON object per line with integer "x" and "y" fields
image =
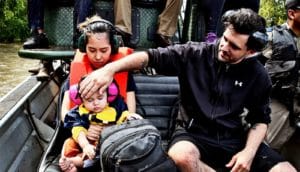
{"x": 13, "y": 20}
{"x": 273, "y": 11}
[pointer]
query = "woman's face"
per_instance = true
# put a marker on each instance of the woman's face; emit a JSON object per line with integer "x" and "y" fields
{"x": 98, "y": 49}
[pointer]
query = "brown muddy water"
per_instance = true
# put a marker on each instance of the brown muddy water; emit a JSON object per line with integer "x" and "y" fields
{"x": 13, "y": 69}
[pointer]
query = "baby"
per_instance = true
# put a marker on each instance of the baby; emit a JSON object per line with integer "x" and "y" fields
{"x": 96, "y": 110}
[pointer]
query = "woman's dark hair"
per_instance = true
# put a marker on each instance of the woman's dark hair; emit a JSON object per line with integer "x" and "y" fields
{"x": 97, "y": 25}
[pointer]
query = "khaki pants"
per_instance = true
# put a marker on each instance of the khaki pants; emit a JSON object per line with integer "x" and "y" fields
{"x": 279, "y": 130}
{"x": 167, "y": 20}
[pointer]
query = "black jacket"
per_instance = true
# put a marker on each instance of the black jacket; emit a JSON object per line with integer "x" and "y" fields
{"x": 212, "y": 92}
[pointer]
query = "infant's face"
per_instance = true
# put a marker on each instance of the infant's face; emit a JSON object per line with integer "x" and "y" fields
{"x": 96, "y": 103}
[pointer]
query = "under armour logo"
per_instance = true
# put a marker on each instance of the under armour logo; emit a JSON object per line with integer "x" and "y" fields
{"x": 237, "y": 83}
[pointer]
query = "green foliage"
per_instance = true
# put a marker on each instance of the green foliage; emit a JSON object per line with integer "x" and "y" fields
{"x": 13, "y": 20}
{"x": 273, "y": 11}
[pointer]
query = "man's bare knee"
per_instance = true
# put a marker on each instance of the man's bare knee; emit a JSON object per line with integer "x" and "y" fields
{"x": 184, "y": 153}
{"x": 283, "y": 166}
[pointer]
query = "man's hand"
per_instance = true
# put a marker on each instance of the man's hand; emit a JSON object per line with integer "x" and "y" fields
{"x": 98, "y": 80}
{"x": 241, "y": 162}
{"x": 94, "y": 132}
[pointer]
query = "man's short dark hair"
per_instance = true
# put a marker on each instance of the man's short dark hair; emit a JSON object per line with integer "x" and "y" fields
{"x": 246, "y": 21}
{"x": 292, "y": 4}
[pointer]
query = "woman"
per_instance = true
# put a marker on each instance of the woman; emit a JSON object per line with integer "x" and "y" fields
{"x": 98, "y": 45}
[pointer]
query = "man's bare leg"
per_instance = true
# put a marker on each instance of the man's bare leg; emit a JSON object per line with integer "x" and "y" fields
{"x": 283, "y": 166}
{"x": 187, "y": 157}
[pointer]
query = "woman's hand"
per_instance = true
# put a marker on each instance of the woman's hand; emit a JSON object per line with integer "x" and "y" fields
{"x": 98, "y": 80}
{"x": 94, "y": 132}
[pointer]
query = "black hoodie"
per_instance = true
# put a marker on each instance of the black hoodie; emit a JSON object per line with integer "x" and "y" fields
{"x": 212, "y": 92}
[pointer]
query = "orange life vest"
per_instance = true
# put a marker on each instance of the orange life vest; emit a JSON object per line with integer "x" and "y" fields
{"x": 81, "y": 66}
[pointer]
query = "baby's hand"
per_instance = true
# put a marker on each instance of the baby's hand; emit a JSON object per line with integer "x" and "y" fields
{"x": 133, "y": 116}
{"x": 89, "y": 150}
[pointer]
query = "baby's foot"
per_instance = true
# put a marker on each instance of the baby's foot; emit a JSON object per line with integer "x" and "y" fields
{"x": 67, "y": 165}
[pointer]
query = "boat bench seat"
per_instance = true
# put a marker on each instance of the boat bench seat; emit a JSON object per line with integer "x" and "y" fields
{"x": 157, "y": 98}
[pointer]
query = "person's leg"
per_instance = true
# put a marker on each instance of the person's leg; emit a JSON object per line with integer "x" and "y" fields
{"x": 266, "y": 159}
{"x": 187, "y": 157}
{"x": 38, "y": 38}
{"x": 70, "y": 159}
{"x": 167, "y": 22}
{"x": 189, "y": 152}
{"x": 283, "y": 166}
{"x": 35, "y": 14}
{"x": 122, "y": 12}
{"x": 252, "y": 4}
{"x": 168, "y": 19}
{"x": 279, "y": 130}
{"x": 81, "y": 11}
{"x": 214, "y": 11}
{"x": 236, "y": 4}
{"x": 67, "y": 165}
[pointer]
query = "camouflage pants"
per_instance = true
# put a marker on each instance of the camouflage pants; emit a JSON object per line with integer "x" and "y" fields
{"x": 279, "y": 130}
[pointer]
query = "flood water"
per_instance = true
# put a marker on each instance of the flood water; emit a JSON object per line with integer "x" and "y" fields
{"x": 13, "y": 69}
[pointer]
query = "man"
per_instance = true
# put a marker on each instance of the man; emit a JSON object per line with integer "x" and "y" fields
{"x": 283, "y": 66}
{"x": 218, "y": 82}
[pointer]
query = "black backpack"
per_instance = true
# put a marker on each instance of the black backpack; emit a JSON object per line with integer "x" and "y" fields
{"x": 133, "y": 146}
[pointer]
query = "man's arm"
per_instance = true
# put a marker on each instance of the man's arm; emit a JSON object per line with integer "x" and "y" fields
{"x": 101, "y": 78}
{"x": 243, "y": 159}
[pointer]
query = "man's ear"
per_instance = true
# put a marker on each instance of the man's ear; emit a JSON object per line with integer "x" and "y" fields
{"x": 251, "y": 52}
{"x": 291, "y": 14}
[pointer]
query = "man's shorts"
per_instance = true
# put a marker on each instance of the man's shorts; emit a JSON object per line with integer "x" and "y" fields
{"x": 218, "y": 153}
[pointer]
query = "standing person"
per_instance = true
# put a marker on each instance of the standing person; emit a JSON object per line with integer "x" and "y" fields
{"x": 167, "y": 21}
{"x": 98, "y": 46}
{"x": 38, "y": 38}
{"x": 282, "y": 53}
{"x": 213, "y": 12}
{"x": 97, "y": 110}
{"x": 82, "y": 10}
{"x": 218, "y": 82}
{"x": 236, "y": 4}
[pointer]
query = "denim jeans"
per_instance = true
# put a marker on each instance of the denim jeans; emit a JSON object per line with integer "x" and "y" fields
{"x": 82, "y": 10}
{"x": 35, "y": 14}
{"x": 213, "y": 11}
{"x": 235, "y": 4}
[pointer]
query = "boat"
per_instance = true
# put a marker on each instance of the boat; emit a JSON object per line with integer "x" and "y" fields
{"x": 31, "y": 132}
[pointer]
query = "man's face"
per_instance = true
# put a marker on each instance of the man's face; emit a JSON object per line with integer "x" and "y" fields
{"x": 294, "y": 15}
{"x": 232, "y": 47}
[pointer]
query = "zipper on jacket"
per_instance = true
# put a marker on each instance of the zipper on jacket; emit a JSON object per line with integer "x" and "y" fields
{"x": 220, "y": 81}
